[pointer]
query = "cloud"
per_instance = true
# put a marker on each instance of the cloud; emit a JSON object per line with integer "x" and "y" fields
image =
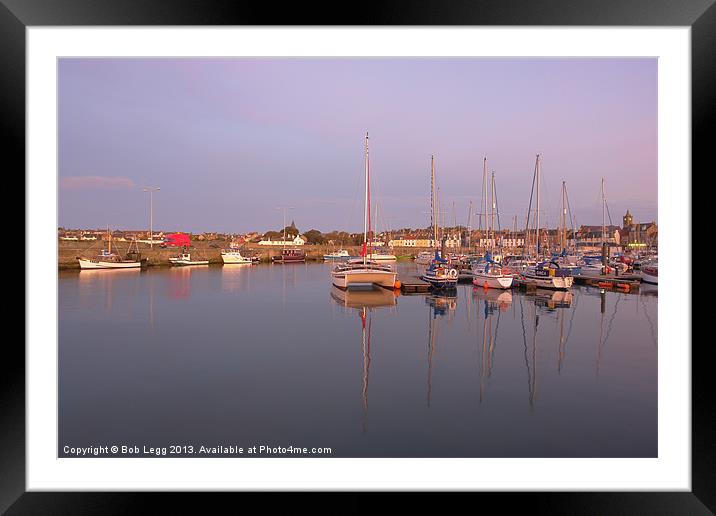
{"x": 95, "y": 183}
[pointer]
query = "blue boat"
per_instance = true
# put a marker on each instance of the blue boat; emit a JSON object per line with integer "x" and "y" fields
{"x": 439, "y": 274}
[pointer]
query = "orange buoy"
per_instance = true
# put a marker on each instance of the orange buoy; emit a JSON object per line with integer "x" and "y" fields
{"x": 605, "y": 284}
{"x": 624, "y": 286}
{"x": 397, "y": 284}
{"x": 485, "y": 286}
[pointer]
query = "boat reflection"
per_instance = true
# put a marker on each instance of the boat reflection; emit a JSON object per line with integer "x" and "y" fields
{"x": 494, "y": 299}
{"x": 101, "y": 280}
{"x": 550, "y": 299}
{"x": 236, "y": 277}
{"x": 369, "y": 297}
{"x": 439, "y": 305}
{"x": 365, "y": 301}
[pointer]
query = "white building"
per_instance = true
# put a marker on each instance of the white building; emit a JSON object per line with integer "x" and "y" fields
{"x": 296, "y": 241}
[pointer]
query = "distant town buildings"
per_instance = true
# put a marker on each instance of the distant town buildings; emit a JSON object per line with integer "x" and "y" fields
{"x": 297, "y": 240}
{"x": 632, "y": 235}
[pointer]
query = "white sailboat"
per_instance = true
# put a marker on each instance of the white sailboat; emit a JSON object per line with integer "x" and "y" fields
{"x": 489, "y": 273}
{"x": 546, "y": 274}
{"x": 364, "y": 270}
{"x": 439, "y": 274}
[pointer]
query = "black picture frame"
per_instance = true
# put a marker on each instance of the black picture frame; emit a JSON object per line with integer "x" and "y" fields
{"x": 16, "y": 15}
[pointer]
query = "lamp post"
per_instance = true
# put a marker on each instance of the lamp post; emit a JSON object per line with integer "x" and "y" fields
{"x": 151, "y": 190}
{"x": 284, "y": 208}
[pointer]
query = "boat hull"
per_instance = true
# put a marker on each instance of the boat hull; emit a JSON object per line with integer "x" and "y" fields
{"x": 650, "y": 275}
{"x": 440, "y": 283}
{"x": 552, "y": 283}
{"x": 99, "y": 264}
{"x": 184, "y": 263}
{"x": 345, "y": 279}
{"x": 492, "y": 281}
{"x": 232, "y": 259}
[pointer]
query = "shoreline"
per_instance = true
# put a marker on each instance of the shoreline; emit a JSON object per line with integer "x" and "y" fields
{"x": 68, "y": 251}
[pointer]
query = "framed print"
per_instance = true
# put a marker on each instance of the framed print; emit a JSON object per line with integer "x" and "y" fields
{"x": 414, "y": 250}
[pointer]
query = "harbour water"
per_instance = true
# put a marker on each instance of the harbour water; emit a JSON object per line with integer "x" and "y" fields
{"x": 272, "y": 355}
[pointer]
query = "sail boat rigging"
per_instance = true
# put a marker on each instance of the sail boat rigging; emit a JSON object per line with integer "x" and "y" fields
{"x": 438, "y": 274}
{"x": 488, "y": 273}
{"x": 364, "y": 270}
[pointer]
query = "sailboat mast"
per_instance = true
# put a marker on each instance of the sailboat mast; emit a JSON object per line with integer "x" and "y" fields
{"x": 432, "y": 201}
{"x": 604, "y": 203}
{"x": 563, "y": 233}
{"x": 538, "y": 174}
{"x": 492, "y": 210}
{"x": 366, "y": 207}
{"x": 484, "y": 197}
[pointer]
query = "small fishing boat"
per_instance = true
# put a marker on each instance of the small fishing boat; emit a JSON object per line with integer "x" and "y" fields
{"x": 109, "y": 260}
{"x": 234, "y": 256}
{"x": 185, "y": 259}
{"x": 290, "y": 256}
{"x": 341, "y": 254}
{"x": 548, "y": 274}
{"x": 106, "y": 259}
{"x": 364, "y": 270}
{"x": 489, "y": 274}
{"x": 650, "y": 273}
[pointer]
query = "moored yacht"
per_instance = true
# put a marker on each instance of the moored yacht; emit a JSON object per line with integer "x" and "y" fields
{"x": 364, "y": 270}
{"x": 489, "y": 274}
{"x": 234, "y": 256}
{"x": 548, "y": 275}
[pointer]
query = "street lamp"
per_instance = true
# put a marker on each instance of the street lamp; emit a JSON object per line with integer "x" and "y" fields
{"x": 151, "y": 190}
{"x": 284, "y": 208}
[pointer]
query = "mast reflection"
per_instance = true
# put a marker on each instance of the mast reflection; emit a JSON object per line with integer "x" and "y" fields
{"x": 439, "y": 305}
{"x": 365, "y": 301}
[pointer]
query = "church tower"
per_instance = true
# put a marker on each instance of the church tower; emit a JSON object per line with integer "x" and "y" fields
{"x": 628, "y": 220}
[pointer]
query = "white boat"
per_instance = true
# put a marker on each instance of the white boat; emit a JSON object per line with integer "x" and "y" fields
{"x": 439, "y": 274}
{"x": 341, "y": 254}
{"x": 233, "y": 256}
{"x": 185, "y": 259}
{"x": 548, "y": 275}
{"x": 491, "y": 275}
{"x": 106, "y": 259}
{"x": 365, "y": 270}
{"x": 650, "y": 273}
{"x": 380, "y": 256}
{"x": 424, "y": 258}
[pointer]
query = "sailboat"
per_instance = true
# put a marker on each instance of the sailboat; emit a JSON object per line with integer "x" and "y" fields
{"x": 106, "y": 259}
{"x": 439, "y": 274}
{"x": 546, "y": 274}
{"x": 593, "y": 266}
{"x": 489, "y": 273}
{"x": 364, "y": 270}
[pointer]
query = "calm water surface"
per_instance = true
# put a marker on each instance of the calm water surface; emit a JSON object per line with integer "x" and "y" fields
{"x": 273, "y": 355}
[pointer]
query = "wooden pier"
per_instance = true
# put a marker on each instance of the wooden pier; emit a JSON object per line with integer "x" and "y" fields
{"x": 413, "y": 285}
{"x": 623, "y": 282}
